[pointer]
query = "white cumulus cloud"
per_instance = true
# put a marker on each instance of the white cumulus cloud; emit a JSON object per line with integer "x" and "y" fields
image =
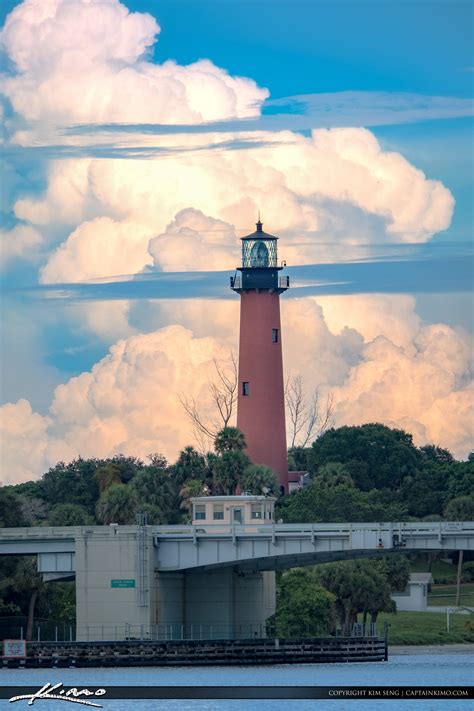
{"x": 129, "y": 401}
{"x": 21, "y": 242}
{"x": 85, "y": 61}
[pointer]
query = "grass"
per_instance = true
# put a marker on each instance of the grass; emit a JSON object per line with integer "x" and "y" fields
{"x": 446, "y": 595}
{"x": 426, "y": 628}
{"x": 442, "y": 572}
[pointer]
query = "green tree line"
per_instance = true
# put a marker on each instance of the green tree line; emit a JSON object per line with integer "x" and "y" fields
{"x": 361, "y": 473}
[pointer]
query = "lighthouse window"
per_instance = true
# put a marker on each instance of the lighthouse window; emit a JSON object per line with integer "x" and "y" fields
{"x": 274, "y": 335}
{"x": 245, "y": 388}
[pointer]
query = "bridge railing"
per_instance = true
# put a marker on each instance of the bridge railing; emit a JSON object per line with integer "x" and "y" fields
{"x": 419, "y": 528}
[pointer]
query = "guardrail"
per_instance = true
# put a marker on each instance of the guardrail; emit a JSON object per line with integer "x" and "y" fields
{"x": 402, "y": 529}
{"x": 327, "y": 529}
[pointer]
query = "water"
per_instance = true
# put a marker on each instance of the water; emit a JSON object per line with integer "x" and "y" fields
{"x": 407, "y": 670}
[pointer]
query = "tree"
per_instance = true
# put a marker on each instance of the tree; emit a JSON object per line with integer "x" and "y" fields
{"x": 118, "y": 504}
{"x": 259, "y": 479}
{"x": 358, "y": 586}
{"x": 35, "y": 511}
{"x": 228, "y": 470}
{"x": 191, "y": 489}
{"x": 426, "y": 491}
{"x": 460, "y": 479}
{"x": 303, "y": 607}
{"x": 333, "y": 474}
{"x": 298, "y": 459}
{"x": 11, "y": 513}
{"x": 229, "y": 439}
{"x": 28, "y": 581}
{"x": 157, "y": 460}
{"x": 76, "y": 482}
{"x": 69, "y": 515}
{"x": 432, "y": 453}
{"x": 396, "y": 570}
{"x": 223, "y": 390}
{"x": 107, "y": 475}
{"x": 460, "y": 509}
{"x": 376, "y": 456}
{"x": 154, "y": 487}
{"x": 72, "y": 483}
{"x": 308, "y": 416}
{"x": 190, "y": 465}
{"x": 155, "y": 516}
{"x": 128, "y": 467}
{"x": 341, "y": 503}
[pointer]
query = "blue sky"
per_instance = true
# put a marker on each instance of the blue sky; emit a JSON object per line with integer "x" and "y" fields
{"x": 305, "y": 46}
{"x": 401, "y": 69}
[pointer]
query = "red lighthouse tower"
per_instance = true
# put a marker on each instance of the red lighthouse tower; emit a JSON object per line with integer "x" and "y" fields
{"x": 261, "y": 401}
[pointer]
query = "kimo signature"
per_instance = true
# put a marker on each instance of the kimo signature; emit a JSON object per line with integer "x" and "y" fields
{"x": 55, "y": 691}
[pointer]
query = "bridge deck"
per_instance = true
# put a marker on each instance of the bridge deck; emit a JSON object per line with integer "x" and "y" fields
{"x": 252, "y": 546}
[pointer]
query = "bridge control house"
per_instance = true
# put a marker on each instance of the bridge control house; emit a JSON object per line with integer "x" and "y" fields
{"x": 246, "y": 509}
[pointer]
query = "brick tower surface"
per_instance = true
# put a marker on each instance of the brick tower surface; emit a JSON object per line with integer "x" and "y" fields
{"x": 261, "y": 399}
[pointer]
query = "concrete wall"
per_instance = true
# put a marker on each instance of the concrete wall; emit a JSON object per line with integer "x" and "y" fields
{"x": 105, "y": 609}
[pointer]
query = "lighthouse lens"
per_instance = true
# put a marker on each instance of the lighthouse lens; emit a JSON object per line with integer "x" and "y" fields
{"x": 259, "y": 255}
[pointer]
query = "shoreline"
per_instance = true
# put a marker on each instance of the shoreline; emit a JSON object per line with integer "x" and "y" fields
{"x": 405, "y": 649}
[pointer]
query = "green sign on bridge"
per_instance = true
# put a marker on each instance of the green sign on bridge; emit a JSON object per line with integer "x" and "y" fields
{"x": 124, "y": 583}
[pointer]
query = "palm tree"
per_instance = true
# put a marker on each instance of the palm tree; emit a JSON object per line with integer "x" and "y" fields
{"x": 154, "y": 487}
{"x": 190, "y": 465}
{"x": 259, "y": 479}
{"x": 333, "y": 474}
{"x": 107, "y": 475}
{"x": 26, "y": 579}
{"x": 230, "y": 439}
{"x": 190, "y": 489}
{"x": 69, "y": 515}
{"x": 118, "y": 504}
{"x": 228, "y": 470}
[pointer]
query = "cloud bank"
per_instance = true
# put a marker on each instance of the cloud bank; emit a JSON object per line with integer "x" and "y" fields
{"x": 390, "y": 368}
{"x": 82, "y": 62}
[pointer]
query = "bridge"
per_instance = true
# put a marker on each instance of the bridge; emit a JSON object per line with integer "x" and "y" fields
{"x": 144, "y": 578}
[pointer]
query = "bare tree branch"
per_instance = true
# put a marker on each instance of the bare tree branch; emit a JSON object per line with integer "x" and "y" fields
{"x": 308, "y": 418}
{"x": 223, "y": 389}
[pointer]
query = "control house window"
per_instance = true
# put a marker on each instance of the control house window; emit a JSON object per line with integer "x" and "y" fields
{"x": 200, "y": 512}
{"x": 256, "y": 511}
{"x": 218, "y": 512}
{"x": 245, "y": 388}
{"x": 274, "y": 335}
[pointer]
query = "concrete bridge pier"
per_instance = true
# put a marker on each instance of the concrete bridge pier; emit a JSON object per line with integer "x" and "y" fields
{"x": 225, "y": 603}
{"x": 121, "y": 594}
{"x": 115, "y": 594}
